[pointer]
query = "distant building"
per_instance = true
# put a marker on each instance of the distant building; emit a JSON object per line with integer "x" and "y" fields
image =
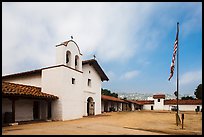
{"x": 159, "y": 102}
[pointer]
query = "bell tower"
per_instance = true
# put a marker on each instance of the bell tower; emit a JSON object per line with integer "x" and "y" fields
{"x": 68, "y": 54}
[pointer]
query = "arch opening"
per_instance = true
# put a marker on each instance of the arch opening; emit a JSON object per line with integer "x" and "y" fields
{"x": 90, "y": 106}
{"x": 77, "y": 62}
{"x": 68, "y": 58}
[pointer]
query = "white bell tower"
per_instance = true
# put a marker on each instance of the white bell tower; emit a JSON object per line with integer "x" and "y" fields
{"x": 68, "y": 54}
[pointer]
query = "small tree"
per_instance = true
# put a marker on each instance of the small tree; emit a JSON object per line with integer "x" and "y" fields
{"x": 198, "y": 92}
{"x": 105, "y": 92}
{"x": 187, "y": 98}
{"x": 108, "y": 93}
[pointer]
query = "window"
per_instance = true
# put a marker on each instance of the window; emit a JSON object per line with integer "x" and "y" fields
{"x": 158, "y": 100}
{"x": 89, "y": 82}
{"x": 73, "y": 80}
{"x": 68, "y": 57}
{"x": 76, "y": 62}
{"x": 89, "y": 71}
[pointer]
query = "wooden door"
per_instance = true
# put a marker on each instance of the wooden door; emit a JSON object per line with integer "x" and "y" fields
{"x": 36, "y": 110}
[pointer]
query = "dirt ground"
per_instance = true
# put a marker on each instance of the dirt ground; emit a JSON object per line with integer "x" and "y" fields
{"x": 115, "y": 123}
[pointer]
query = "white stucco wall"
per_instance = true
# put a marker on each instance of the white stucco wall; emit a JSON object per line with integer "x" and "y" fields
{"x": 32, "y": 80}
{"x": 183, "y": 107}
{"x": 102, "y": 106}
{"x": 168, "y": 107}
{"x": 148, "y": 106}
{"x": 58, "y": 81}
{"x": 132, "y": 107}
{"x": 120, "y": 106}
{"x": 51, "y": 83}
{"x": 158, "y": 105}
{"x": 94, "y": 90}
{"x": 24, "y": 108}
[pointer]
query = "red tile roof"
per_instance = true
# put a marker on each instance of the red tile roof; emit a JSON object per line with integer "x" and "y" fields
{"x": 159, "y": 96}
{"x": 133, "y": 101}
{"x": 19, "y": 90}
{"x": 104, "y": 97}
{"x": 183, "y": 102}
{"x": 145, "y": 102}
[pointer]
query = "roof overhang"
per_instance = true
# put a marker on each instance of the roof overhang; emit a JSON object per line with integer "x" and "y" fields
{"x": 97, "y": 67}
{"x": 13, "y": 90}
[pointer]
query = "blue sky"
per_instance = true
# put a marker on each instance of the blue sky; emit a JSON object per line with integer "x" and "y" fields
{"x": 133, "y": 41}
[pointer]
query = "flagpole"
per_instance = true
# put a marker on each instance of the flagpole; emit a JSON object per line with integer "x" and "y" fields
{"x": 177, "y": 75}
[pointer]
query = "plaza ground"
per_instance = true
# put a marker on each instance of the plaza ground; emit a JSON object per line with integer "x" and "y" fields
{"x": 115, "y": 123}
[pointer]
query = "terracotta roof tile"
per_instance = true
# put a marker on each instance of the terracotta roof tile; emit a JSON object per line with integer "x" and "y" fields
{"x": 144, "y": 102}
{"x": 159, "y": 96}
{"x": 133, "y": 101}
{"x": 12, "y": 89}
{"x": 183, "y": 102}
{"x": 104, "y": 97}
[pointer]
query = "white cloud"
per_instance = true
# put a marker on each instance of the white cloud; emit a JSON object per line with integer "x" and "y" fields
{"x": 113, "y": 31}
{"x": 130, "y": 74}
{"x": 194, "y": 18}
{"x": 191, "y": 77}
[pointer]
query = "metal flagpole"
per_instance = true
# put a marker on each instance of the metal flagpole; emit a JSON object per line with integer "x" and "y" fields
{"x": 177, "y": 74}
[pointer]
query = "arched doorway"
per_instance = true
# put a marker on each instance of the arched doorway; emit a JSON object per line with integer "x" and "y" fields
{"x": 90, "y": 106}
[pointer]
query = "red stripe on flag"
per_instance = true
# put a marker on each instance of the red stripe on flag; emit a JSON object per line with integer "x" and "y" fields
{"x": 174, "y": 57}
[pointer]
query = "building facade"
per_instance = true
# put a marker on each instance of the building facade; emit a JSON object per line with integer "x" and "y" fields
{"x": 75, "y": 87}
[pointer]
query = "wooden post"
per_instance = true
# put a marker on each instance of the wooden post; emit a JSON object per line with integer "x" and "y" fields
{"x": 13, "y": 110}
{"x": 176, "y": 119}
{"x": 182, "y": 118}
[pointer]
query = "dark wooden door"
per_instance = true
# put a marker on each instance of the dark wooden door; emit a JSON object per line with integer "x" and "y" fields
{"x": 36, "y": 110}
{"x": 49, "y": 113}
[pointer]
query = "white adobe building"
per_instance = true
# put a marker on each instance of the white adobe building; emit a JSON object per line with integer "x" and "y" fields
{"x": 69, "y": 90}
{"x": 158, "y": 102}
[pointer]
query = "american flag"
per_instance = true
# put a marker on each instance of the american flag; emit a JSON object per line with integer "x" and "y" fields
{"x": 174, "y": 54}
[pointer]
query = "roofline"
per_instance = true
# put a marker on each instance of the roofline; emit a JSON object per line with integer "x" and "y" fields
{"x": 97, "y": 67}
{"x": 181, "y": 102}
{"x": 8, "y": 94}
{"x": 37, "y": 71}
{"x": 66, "y": 43}
{"x": 110, "y": 98}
